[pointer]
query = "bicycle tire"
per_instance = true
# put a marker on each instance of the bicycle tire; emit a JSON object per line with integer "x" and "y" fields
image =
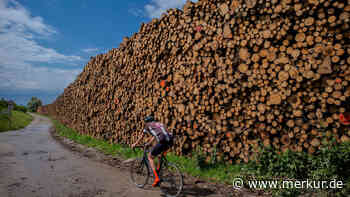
{"x": 171, "y": 180}
{"x": 139, "y": 173}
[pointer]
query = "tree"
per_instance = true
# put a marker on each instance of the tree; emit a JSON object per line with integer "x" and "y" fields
{"x": 3, "y": 103}
{"x": 33, "y": 104}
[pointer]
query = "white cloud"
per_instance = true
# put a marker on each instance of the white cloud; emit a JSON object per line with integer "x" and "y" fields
{"x": 14, "y": 16}
{"x": 157, "y": 7}
{"x": 136, "y": 12}
{"x": 20, "y": 51}
{"x": 37, "y": 78}
{"x": 90, "y": 50}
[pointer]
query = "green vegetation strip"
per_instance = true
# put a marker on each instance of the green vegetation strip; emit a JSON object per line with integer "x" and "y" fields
{"x": 19, "y": 120}
{"x": 102, "y": 145}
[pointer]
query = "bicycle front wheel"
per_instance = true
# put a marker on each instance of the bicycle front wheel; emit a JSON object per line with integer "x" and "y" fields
{"x": 171, "y": 180}
{"x": 139, "y": 172}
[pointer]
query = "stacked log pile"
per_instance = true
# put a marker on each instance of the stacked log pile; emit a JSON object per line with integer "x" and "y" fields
{"x": 225, "y": 76}
{"x": 42, "y": 110}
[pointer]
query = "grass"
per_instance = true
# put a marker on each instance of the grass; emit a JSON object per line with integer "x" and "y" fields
{"x": 102, "y": 145}
{"x": 19, "y": 120}
{"x": 219, "y": 172}
{"x": 214, "y": 172}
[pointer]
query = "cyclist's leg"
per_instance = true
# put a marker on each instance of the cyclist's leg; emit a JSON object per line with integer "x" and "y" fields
{"x": 165, "y": 148}
{"x": 151, "y": 155}
{"x": 158, "y": 163}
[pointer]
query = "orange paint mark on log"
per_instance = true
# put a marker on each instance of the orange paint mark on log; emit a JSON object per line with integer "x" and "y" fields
{"x": 345, "y": 118}
{"x": 162, "y": 83}
{"x": 338, "y": 80}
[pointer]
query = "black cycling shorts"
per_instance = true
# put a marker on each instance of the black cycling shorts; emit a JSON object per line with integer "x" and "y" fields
{"x": 160, "y": 147}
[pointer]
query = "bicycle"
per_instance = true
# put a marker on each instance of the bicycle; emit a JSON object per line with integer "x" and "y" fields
{"x": 171, "y": 180}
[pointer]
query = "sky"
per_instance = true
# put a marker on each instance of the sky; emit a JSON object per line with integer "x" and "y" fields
{"x": 45, "y": 44}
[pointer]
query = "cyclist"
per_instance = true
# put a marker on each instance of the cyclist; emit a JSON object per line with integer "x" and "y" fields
{"x": 164, "y": 142}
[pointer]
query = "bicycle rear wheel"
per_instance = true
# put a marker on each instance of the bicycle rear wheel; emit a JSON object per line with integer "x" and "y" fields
{"x": 171, "y": 180}
{"x": 139, "y": 172}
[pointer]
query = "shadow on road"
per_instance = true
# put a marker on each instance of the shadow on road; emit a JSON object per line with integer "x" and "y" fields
{"x": 188, "y": 190}
{"x": 194, "y": 191}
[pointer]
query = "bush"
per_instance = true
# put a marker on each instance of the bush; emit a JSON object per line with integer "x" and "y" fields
{"x": 329, "y": 163}
{"x": 201, "y": 159}
{"x": 20, "y": 108}
{"x": 287, "y": 164}
{"x": 3, "y": 103}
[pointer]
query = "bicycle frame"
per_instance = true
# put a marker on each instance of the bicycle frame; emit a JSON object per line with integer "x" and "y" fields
{"x": 162, "y": 160}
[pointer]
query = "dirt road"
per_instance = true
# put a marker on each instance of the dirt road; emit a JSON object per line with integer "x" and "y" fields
{"x": 33, "y": 164}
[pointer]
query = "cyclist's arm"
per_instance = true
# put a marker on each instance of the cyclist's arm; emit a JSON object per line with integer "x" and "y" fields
{"x": 150, "y": 140}
{"x": 138, "y": 140}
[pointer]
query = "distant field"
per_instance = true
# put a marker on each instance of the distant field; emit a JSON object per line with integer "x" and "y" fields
{"x": 19, "y": 121}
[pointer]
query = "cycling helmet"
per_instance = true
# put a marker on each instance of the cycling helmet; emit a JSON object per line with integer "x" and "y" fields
{"x": 149, "y": 119}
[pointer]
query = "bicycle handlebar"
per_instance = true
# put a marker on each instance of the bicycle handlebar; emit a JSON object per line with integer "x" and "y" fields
{"x": 144, "y": 147}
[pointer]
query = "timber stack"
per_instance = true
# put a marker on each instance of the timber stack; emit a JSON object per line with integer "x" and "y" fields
{"x": 228, "y": 76}
{"x": 42, "y": 110}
